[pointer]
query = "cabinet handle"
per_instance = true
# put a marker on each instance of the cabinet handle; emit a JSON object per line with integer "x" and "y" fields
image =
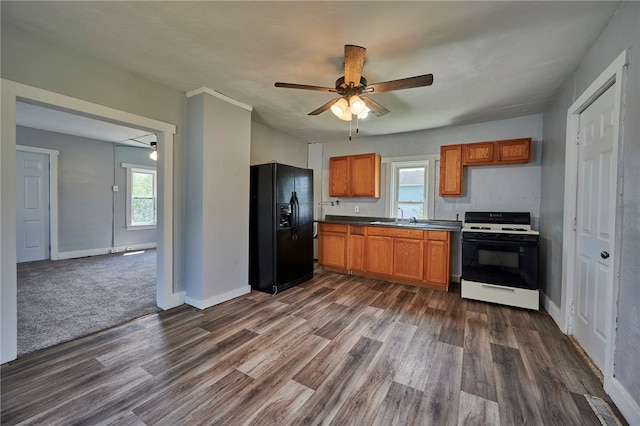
{"x": 509, "y": 290}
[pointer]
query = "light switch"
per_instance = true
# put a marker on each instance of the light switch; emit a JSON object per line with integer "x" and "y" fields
{"x": 115, "y": 188}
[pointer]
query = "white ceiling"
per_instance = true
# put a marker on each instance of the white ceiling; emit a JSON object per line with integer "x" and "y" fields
{"x": 490, "y": 60}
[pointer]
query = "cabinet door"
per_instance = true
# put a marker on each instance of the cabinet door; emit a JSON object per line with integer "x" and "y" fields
{"x": 379, "y": 254}
{"x": 356, "y": 253}
{"x": 408, "y": 258}
{"x": 514, "y": 151}
{"x": 332, "y": 245}
{"x": 339, "y": 177}
{"x": 478, "y": 153}
{"x": 437, "y": 260}
{"x": 365, "y": 175}
{"x": 451, "y": 170}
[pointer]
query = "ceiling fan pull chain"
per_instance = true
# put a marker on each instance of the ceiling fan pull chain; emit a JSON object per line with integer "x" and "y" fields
{"x": 350, "y": 129}
{"x": 357, "y": 124}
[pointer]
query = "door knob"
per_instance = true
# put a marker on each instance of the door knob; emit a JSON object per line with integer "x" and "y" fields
{"x": 604, "y": 254}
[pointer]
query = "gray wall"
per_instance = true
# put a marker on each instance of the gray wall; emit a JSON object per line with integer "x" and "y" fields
{"x": 623, "y": 32}
{"x": 90, "y": 215}
{"x": 506, "y": 188}
{"x": 219, "y": 143}
{"x": 268, "y": 144}
{"x": 33, "y": 60}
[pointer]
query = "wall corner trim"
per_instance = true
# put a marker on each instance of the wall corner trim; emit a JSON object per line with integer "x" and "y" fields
{"x": 219, "y": 95}
{"x": 215, "y": 300}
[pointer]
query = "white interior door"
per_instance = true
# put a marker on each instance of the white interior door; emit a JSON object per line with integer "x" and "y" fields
{"x": 595, "y": 222}
{"x": 32, "y": 181}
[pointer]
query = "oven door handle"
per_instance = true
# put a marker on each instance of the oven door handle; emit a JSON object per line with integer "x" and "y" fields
{"x": 500, "y": 242}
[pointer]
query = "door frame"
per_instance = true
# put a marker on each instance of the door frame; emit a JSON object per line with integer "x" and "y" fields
{"x": 613, "y": 75}
{"x": 53, "y": 194}
{"x": 12, "y": 92}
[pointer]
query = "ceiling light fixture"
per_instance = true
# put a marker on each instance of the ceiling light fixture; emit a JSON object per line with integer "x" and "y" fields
{"x": 154, "y": 153}
{"x": 341, "y": 110}
{"x": 356, "y": 105}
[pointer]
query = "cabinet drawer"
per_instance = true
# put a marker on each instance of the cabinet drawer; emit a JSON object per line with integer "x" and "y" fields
{"x": 333, "y": 227}
{"x": 436, "y": 235}
{"x": 356, "y": 230}
{"x": 395, "y": 232}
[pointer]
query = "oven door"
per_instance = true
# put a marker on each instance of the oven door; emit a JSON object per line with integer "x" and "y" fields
{"x": 508, "y": 263}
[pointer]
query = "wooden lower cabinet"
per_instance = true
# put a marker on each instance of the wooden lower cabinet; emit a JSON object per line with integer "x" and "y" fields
{"x": 379, "y": 254}
{"x": 437, "y": 258}
{"x": 332, "y": 245}
{"x": 407, "y": 258}
{"x": 355, "y": 257}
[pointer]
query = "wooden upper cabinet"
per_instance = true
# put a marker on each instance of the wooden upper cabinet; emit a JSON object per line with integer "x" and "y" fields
{"x": 451, "y": 170}
{"x": 355, "y": 176}
{"x": 514, "y": 151}
{"x": 339, "y": 176}
{"x": 478, "y": 153}
{"x": 494, "y": 153}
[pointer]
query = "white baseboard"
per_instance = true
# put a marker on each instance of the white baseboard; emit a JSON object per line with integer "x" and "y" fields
{"x": 104, "y": 250}
{"x": 623, "y": 400}
{"x": 212, "y": 301}
{"x": 554, "y": 311}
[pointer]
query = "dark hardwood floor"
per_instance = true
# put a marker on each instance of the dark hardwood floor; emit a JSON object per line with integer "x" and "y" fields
{"x": 335, "y": 350}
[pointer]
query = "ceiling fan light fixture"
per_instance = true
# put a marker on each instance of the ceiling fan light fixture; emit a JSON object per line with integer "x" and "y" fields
{"x": 364, "y": 113}
{"x": 356, "y": 105}
{"x": 154, "y": 153}
{"x": 341, "y": 110}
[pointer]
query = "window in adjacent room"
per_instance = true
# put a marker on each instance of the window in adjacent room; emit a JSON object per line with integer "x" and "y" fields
{"x": 142, "y": 211}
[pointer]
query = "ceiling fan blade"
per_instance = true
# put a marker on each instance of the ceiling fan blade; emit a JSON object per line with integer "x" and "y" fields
{"x": 376, "y": 109}
{"x": 305, "y": 87}
{"x": 403, "y": 83}
{"x": 324, "y": 107}
{"x": 353, "y": 63}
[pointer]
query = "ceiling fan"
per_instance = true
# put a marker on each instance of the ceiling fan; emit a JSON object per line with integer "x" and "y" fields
{"x": 352, "y": 85}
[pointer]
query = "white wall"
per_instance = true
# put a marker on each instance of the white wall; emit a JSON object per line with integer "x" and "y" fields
{"x": 623, "y": 32}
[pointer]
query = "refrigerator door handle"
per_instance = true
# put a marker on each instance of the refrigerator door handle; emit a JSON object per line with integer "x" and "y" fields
{"x": 294, "y": 223}
{"x": 297, "y": 204}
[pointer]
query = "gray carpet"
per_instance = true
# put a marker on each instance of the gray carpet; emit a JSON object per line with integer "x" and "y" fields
{"x": 65, "y": 299}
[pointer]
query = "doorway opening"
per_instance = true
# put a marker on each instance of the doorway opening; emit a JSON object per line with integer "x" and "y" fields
{"x": 12, "y": 93}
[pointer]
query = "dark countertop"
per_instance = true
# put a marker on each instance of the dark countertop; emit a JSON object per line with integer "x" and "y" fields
{"x": 439, "y": 225}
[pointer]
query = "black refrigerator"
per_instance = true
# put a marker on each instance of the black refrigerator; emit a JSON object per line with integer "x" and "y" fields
{"x": 280, "y": 227}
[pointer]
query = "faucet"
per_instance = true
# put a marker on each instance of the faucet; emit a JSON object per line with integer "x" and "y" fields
{"x": 401, "y": 213}
{"x": 413, "y": 220}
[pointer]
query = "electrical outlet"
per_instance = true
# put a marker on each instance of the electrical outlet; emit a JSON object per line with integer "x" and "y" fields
{"x": 356, "y": 209}
{"x": 115, "y": 188}
{"x": 129, "y": 248}
{"x": 114, "y": 250}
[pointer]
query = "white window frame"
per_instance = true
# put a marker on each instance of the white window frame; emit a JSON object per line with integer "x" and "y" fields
{"x": 428, "y": 161}
{"x": 136, "y": 168}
